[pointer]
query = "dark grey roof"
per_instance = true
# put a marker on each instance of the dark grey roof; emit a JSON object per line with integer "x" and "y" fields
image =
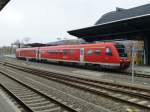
{"x": 116, "y": 24}
{"x": 3, "y": 3}
{"x": 124, "y": 14}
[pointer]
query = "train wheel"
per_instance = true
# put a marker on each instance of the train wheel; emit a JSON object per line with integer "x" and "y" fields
{"x": 100, "y": 68}
{"x": 60, "y": 63}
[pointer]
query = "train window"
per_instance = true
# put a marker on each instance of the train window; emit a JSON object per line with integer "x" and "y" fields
{"x": 97, "y": 52}
{"x": 49, "y": 52}
{"x": 108, "y": 52}
{"x": 65, "y": 52}
{"x": 121, "y": 50}
{"x": 60, "y": 52}
{"x": 89, "y": 52}
{"x": 41, "y": 52}
{"x": 34, "y": 51}
{"x": 56, "y": 51}
{"x": 52, "y": 51}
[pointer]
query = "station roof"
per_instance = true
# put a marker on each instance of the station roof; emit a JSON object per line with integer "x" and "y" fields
{"x": 3, "y": 3}
{"x": 114, "y": 24}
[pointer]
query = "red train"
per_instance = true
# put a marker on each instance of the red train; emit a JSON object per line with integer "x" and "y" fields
{"x": 105, "y": 55}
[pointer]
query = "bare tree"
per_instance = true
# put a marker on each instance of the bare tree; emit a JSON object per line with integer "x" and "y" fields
{"x": 17, "y": 43}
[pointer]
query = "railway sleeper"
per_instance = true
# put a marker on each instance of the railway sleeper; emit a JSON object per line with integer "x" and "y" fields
{"x": 46, "y": 107}
{"x": 39, "y": 103}
{"x": 30, "y": 98}
{"x": 34, "y": 101}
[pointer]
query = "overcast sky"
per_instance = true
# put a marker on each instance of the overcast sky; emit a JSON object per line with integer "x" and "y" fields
{"x": 46, "y": 20}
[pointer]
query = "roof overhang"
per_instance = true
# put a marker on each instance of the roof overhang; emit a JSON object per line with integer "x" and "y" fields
{"x": 109, "y": 30}
{"x": 3, "y": 3}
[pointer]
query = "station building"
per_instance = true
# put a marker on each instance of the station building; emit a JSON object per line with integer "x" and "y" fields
{"x": 3, "y": 3}
{"x": 130, "y": 25}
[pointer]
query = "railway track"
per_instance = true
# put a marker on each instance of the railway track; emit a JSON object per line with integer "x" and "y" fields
{"x": 129, "y": 73}
{"x": 131, "y": 95}
{"x": 31, "y": 99}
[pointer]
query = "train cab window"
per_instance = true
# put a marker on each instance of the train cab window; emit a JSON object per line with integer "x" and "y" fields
{"x": 97, "y": 52}
{"x": 121, "y": 50}
{"x": 108, "y": 52}
{"x": 89, "y": 52}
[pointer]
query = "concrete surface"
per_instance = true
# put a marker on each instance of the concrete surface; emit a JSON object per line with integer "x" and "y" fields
{"x": 6, "y": 105}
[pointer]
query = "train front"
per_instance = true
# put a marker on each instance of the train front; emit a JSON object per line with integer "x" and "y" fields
{"x": 124, "y": 61}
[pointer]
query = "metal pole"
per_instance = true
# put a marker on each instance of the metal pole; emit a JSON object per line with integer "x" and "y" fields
{"x": 11, "y": 52}
{"x": 144, "y": 56}
{"x": 133, "y": 51}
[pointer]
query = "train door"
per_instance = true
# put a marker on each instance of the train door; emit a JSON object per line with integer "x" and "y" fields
{"x": 81, "y": 55}
{"x": 108, "y": 55}
{"x": 19, "y": 53}
{"x": 39, "y": 52}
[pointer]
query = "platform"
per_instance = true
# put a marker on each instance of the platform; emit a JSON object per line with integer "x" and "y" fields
{"x": 6, "y": 105}
{"x": 142, "y": 70}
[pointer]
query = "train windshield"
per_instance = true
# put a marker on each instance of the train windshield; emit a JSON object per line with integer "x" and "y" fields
{"x": 121, "y": 50}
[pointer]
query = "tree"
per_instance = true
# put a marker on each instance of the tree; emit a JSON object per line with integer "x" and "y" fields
{"x": 17, "y": 43}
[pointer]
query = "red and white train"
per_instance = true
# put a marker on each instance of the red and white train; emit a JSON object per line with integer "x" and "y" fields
{"x": 105, "y": 54}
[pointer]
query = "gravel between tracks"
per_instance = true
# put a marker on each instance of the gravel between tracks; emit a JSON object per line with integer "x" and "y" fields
{"x": 98, "y": 100}
{"x": 139, "y": 81}
{"x": 48, "y": 89}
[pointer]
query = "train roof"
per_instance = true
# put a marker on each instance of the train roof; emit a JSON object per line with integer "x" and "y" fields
{"x": 30, "y": 48}
{"x": 100, "y": 44}
{"x": 80, "y": 45}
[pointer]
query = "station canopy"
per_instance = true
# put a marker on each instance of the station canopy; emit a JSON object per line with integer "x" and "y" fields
{"x": 3, "y": 3}
{"x": 115, "y": 24}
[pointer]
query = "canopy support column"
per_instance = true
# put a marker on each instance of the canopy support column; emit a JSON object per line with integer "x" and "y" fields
{"x": 147, "y": 49}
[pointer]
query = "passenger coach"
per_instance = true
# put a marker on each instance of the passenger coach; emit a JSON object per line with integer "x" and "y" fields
{"x": 106, "y": 54}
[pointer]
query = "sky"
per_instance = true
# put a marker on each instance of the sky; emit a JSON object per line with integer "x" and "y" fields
{"x": 46, "y": 20}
